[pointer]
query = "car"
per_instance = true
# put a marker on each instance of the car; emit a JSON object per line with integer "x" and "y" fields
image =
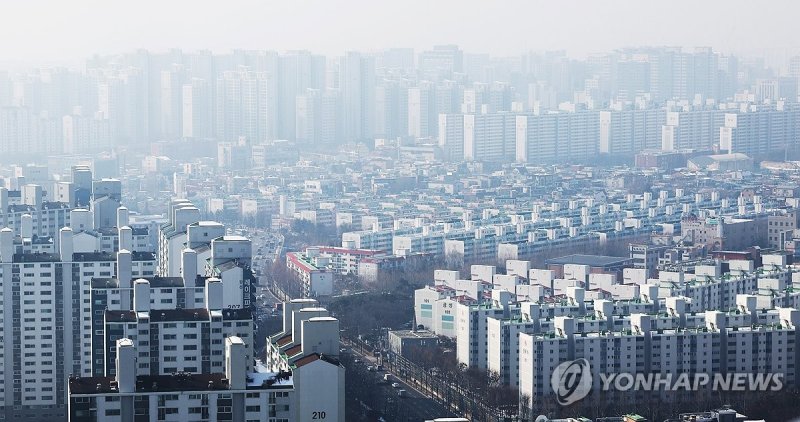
{"x": 401, "y": 393}
{"x": 371, "y": 368}
{"x": 395, "y": 385}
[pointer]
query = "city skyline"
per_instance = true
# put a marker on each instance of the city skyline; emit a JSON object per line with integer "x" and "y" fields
{"x": 68, "y": 35}
{"x": 465, "y": 106}
{"x": 442, "y": 211}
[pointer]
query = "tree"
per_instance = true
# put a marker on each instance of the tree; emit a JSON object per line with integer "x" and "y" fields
{"x": 454, "y": 260}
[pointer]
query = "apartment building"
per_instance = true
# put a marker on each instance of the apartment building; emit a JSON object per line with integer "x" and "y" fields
{"x": 44, "y": 218}
{"x": 179, "y": 339}
{"x": 308, "y": 347}
{"x": 710, "y": 349}
{"x": 780, "y": 227}
{"x": 59, "y": 288}
{"x": 172, "y": 236}
{"x": 48, "y": 323}
{"x": 235, "y": 393}
{"x": 315, "y": 281}
{"x": 726, "y": 233}
{"x": 471, "y": 328}
{"x": 340, "y": 260}
{"x": 486, "y": 319}
{"x": 502, "y": 335}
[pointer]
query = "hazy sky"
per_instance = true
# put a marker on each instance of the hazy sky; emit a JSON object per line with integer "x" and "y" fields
{"x": 71, "y": 30}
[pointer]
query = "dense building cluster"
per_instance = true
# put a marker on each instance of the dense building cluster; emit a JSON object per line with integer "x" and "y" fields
{"x": 109, "y": 314}
{"x": 534, "y": 107}
{"x": 722, "y": 317}
{"x": 637, "y": 209}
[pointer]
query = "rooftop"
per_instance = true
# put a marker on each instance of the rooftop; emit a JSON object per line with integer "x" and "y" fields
{"x": 36, "y": 257}
{"x": 143, "y": 256}
{"x": 151, "y": 383}
{"x": 169, "y": 315}
{"x": 413, "y": 334}
{"x": 590, "y": 260}
{"x": 315, "y": 357}
{"x": 139, "y": 231}
{"x": 233, "y": 238}
{"x": 161, "y": 282}
{"x": 294, "y": 350}
{"x": 105, "y": 283}
{"x": 93, "y": 256}
{"x": 207, "y": 224}
{"x": 261, "y": 377}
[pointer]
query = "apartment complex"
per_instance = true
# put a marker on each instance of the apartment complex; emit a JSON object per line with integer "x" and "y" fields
{"x": 308, "y": 347}
{"x": 235, "y": 393}
{"x": 524, "y": 323}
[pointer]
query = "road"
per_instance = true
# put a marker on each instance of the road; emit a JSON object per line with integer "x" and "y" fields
{"x": 266, "y": 246}
{"x": 416, "y": 406}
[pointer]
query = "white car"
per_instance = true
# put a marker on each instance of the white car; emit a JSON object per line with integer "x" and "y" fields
{"x": 395, "y": 385}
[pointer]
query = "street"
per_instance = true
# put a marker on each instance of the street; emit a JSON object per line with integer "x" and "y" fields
{"x": 415, "y": 406}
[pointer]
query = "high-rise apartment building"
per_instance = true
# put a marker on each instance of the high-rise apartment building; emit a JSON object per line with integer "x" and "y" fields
{"x": 547, "y": 138}
{"x": 308, "y": 346}
{"x": 234, "y": 393}
{"x": 48, "y": 322}
{"x": 171, "y": 105}
{"x": 451, "y": 136}
{"x": 197, "y": 112}
{"x": 422, "y": 113}
{"x": 441, "y": 62}
{"x": 85, "y": 134}
{"x": 298, "y": 71}
{"x": 122, "y": 98}
{"x": 357, "y": 86}
{"x": 392, "y": 108}
{"x": 242, "y": 105}
{"x": 308, "y": 117}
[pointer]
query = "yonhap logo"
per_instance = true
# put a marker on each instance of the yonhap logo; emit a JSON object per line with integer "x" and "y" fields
{"x": 571, "y": 381}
